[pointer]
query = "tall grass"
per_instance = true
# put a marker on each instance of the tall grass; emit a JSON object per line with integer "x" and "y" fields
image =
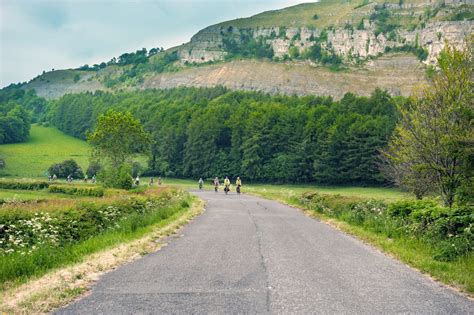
{"x": 16, "y": 268}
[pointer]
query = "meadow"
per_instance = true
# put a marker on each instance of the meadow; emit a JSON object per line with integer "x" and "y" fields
{"x": 287, "y": 191}
{"x": 45, "y": 146}
{"x": 42, "y": 230}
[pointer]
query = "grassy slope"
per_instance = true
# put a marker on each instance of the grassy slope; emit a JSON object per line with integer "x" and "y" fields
{"x": 44, "y": 147}
{"x": 330, "y": 12}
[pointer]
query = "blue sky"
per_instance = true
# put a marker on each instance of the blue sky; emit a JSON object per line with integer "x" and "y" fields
{"x": 37, "y": 35}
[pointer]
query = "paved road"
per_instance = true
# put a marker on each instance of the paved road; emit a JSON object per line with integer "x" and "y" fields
{"x": 250, "y": 255}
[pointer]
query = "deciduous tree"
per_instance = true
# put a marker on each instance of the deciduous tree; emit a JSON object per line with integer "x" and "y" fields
{"x": 432, "y": 137}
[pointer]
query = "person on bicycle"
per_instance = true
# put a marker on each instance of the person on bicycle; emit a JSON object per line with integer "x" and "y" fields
{"x": 200, "y": 182}
{"x": 226, "y": 184}
{"x": 216, "y": 184}
{"x": 238, "y": 184}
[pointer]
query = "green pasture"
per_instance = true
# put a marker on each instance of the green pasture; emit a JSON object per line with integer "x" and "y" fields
{"x": 27, "y": 195}
{"x": 45, "y": 146}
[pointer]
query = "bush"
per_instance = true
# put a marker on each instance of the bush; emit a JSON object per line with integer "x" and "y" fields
{"x": 93, "y": 169}
{"x": 450, "y": 231}
{"x": 23, "y": 185}
{"x": 117, "y": 178}
{"x": 137, "y": 169}
{"x": 125, "y": 181}
{"x": 66, "y": 168}
{"x": 92, "y": 191}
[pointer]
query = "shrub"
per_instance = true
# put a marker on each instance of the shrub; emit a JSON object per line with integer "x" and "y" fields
{"x": 117, "y": 177}
{"x": 125, "y": 181}
{"x": 93, "y": 169}
{"x": 32, "y": 243}
{"x": 66, "y": 168}
{"x": 450, "y": 231}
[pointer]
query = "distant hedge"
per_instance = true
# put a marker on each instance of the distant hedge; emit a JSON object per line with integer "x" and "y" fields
{"x": 23, "y": 185}
{"x": 93, "y": 191}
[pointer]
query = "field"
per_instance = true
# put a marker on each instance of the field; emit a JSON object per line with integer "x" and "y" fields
{"x": 37, "y": 224}
{"x": 285, "y": 191}
{"x": 45, "y": 146}
{"x": 330, "y": 12}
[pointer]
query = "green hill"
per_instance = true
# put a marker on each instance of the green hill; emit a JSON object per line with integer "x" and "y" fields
{"x": 44, "y": 147}
{"x": 337, "y": 12}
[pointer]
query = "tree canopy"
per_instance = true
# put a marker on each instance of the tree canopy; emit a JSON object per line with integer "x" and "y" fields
{"x": 434, "y": 137}
{"x": 117, "y": 137}
{"x": 206, "y": 132}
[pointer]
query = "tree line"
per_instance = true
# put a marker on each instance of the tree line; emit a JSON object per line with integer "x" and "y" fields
{"x": 206, "y": 132}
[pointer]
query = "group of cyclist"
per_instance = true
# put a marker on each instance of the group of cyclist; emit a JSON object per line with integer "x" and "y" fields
{"x": 216, "y": 183}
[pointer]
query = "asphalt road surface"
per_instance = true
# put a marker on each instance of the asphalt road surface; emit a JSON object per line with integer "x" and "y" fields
{"x": 250, "y": 255}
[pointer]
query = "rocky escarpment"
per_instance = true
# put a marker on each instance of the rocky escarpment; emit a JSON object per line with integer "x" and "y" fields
{"x": 351, "y": 40}
{"x": 398, "y": 74}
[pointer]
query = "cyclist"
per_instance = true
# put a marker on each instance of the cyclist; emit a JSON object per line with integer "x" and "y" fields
{"x": 216, "y": 184}
{"x": 238, "y": 183}
{"x": 201, "y": 182}
{"x": 226, "y": 185}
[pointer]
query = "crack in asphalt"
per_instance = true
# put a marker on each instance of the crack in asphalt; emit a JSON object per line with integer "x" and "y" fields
{"x": 258, "y": 233}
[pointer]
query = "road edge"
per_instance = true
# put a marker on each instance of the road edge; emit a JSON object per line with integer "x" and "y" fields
{"x": 345, "y": 228}
{"x": 65, "y": 285}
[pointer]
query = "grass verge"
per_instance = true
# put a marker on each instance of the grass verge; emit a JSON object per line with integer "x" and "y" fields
{"x": 61, "y": 286}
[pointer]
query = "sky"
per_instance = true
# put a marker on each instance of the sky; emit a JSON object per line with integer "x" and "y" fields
{"x": 37, "y": 35}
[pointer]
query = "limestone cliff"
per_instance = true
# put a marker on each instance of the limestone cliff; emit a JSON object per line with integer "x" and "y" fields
{"x": 353, "y": 41}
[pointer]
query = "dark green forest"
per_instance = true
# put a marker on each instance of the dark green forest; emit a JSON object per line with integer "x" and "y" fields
{"x": 206, "y": 132}
{"x": 18, "y": 108}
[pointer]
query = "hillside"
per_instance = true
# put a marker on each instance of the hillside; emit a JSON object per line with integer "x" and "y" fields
{"x": 44, "y": 147}
{"x": 326, "y": 48}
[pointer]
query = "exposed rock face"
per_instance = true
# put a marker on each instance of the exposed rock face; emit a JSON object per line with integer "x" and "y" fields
{"x": 396, "y": 73}
{"x": 351, "y": 44}
{"x": 432, "y": 37}
{"x": 205, "y": 46}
